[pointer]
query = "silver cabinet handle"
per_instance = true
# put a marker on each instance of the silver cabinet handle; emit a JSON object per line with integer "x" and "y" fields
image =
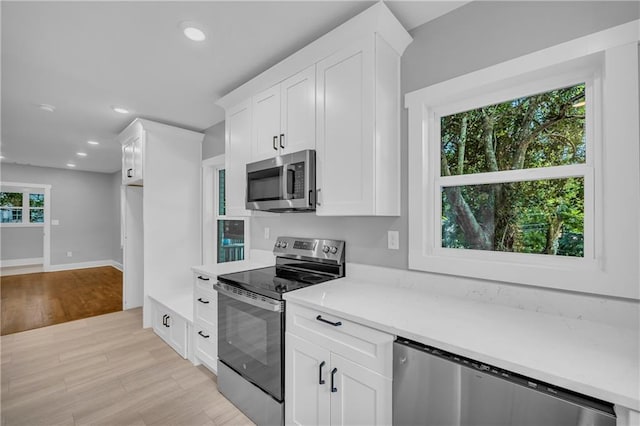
{"x": 318, "y": 197}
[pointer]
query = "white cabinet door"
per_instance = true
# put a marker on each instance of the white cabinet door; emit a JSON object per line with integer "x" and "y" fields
{"x": 345, "y": 131}
{"x": 177, "y": 333}
{"x": 237, "y": 155}
{"x": 132, "y": 159}
{"x": 266, "y": 124}
{"x": 307, "y": 380}
{"x": 298, "y": 98}
{"x": 159, "y": 321}
{"x": 360, "y": 396}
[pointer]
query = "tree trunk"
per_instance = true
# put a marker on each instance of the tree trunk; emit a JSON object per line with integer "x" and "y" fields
{"x": 461, "y": 144}
{"x": 474, "y": 234}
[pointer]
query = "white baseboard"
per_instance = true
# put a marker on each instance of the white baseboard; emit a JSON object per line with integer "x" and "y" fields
{"x": 83, "y": 265}
{"x": 20, "y": 270}
{"x": 21, "y": 262}
{"x": 117, "y": 265}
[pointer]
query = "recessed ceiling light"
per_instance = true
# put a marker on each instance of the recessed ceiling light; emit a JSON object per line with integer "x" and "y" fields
{"x": 120, "y": 110}
{"x": 81, "y": 154}
{"x": 192, "y": 32}
{"x": 1, "y": 157}
{"x": 93, "y": 143}
{"x": 70, "y": 165}
{"x": 47, "y": 107}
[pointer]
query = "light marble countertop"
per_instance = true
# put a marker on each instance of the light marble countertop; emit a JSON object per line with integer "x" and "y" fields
{"x": 213, "y": 270}
{"x": 592, "y": 358}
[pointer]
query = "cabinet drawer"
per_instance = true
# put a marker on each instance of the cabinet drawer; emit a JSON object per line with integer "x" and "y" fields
{"x": 363, "y": 345}
{"x": 206, "y": 308}
{"x": 204, "y": 282}
{"x": 206, "y": 346}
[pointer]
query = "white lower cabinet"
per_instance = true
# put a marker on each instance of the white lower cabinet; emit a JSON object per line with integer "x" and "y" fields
{"x": 205, "y": 322}
{"x": 171, "y": 327}
{"x": 325, "y": 384}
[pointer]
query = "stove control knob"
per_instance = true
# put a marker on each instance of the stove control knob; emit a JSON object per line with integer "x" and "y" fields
{"x": 283, "y": 244}
{"x": 278, "y": 244}
{"x": 334, "y": 250}
{"x": 325, "y": 249}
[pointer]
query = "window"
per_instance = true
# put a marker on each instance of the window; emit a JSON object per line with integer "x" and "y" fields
{"x": 512, "y": 175}
{"x": 230, "y": 232}
{"x": 225, "y": 238}
{"x": 20, "y": 208}
{"x": 528, "y": 171}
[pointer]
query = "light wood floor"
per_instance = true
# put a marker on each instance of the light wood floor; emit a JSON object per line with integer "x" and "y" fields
{"x": 105, "y": 370}
{"x": 37, "y": 300}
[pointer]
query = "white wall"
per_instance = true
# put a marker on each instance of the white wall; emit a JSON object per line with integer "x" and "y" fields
{"x": 85, "y": 205}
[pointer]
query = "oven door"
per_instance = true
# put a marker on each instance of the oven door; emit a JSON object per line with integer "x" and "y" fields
{"x": 250, "y": 337}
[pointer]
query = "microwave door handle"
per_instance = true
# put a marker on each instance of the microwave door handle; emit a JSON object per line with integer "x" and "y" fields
{"x": 288, "y": 181}
{"x": 285, "y": 182}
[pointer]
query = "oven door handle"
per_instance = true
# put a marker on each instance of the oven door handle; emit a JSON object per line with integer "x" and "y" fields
{"x": 273, "y": 306}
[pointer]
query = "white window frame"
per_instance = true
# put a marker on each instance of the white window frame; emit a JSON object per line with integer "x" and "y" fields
{"x": 26, "y": 208}
{"x": 210, "y": 212}
{"x": 608, "y": 63}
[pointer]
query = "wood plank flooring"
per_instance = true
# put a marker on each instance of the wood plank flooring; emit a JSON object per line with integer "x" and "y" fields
{"x": 105, "y": 370}
{"x": 37, "y": 300}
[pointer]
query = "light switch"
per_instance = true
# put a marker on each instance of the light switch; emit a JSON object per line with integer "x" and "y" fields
{"x": 266, "y": 232}
{"x": 393, "y": 240}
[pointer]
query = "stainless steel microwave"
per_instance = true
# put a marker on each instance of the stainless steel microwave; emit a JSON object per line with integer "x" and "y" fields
{"x": 285, "y": 183}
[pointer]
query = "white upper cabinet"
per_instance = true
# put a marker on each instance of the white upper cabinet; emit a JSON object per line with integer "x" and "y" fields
{"x": 358, "y": 133}
{"x": 284, "y": 117}
{"x": 237, "y": 155}
{"x": 298, "y": 111}
{"x": 132, "y": 155}
{"x": 345, "y": 104}
{"x": 266, "y": 124}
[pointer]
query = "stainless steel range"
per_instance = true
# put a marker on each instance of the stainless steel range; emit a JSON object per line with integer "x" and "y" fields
{"x": 251, "y": 318}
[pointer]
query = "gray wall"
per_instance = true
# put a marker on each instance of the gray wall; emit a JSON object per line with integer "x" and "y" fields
{"x": 472, "y": 37}
{"x": 116, "y": 184}
{"x": 21, "y": 243}
{"x": 84, "y": 203}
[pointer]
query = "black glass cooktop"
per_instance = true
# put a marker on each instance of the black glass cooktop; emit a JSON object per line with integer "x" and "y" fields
{"x": 273, "y": 281}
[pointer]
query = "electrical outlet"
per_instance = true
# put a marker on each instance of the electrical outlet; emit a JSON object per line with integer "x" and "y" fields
{"x": 266, "y": 233}
{"x": 69, "y": 254}
{"x": 393, "y": 240}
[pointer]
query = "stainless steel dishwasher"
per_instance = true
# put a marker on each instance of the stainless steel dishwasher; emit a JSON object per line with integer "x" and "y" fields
{"x": 432, "y": 387}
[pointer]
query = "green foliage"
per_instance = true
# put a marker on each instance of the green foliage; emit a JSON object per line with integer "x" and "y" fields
{"x": 544, "y": 216}
{"x": 36, "y": 200}
{"x": 11, "y": 199}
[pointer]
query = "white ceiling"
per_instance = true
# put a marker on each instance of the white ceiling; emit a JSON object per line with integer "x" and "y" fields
{"x": 84, "y": 57}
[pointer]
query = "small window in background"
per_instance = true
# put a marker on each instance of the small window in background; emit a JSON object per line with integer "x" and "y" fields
{"x": 230, "y": 240}
{"x": 36, "y": 208}
{"x": 221, "y": 193}
{"x": 11, "y": 207}
{"x": 515, "y": 212}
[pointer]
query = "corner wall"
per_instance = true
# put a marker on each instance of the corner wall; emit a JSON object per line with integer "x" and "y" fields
{"x": 84, "y": 204}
